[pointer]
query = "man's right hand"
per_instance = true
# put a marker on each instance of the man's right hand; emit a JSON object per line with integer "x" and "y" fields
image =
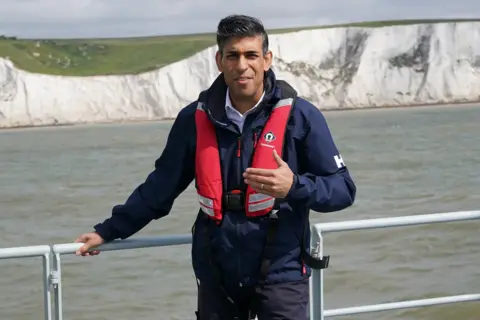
{"x": 90, "y": 240}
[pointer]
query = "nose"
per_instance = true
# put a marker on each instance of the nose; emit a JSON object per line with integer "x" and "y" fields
{"x": 242, "y": 63}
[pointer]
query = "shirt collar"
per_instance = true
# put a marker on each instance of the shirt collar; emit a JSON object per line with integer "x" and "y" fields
{"x": 229, "y": 108}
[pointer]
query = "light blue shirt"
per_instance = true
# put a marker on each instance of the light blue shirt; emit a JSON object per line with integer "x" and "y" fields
{"x": 234, "y": 115}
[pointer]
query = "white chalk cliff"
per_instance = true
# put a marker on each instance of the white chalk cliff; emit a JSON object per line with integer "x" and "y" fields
{"x": 333, "y": 68}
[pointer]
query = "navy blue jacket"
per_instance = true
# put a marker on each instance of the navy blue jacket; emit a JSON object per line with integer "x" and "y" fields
{"x": 322, "y": 184}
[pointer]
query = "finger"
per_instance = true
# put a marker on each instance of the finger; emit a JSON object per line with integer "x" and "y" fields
{"x": 80, "y": 251}
{"x": 257, "y": 190}
{"x": 259, "y": 179}
{"x": 255, "y": 185}
{"x": 82, "y": 238}
{"x": 278, "y": 159}
{"x": 265, "y": 189}
{"x": 87, "y": 253}
{"x": 261, "y": 172}
{"x": 83, "y": 249}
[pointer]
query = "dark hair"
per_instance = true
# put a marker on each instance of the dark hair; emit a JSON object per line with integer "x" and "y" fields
{"x": 240, "y": 26}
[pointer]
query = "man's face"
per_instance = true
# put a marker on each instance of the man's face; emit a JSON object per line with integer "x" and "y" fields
{"x": 243, "y": 65}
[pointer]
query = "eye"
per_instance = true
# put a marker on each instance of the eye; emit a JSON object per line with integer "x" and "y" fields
{"x": 232, "y": 56}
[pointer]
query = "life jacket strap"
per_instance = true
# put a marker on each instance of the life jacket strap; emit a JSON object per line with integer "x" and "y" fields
{"x": 233, "y": 200}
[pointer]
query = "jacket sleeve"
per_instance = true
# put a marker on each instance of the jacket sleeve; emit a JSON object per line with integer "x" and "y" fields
{"x": 325, "y": 184}
{"x": 154, "y": 198}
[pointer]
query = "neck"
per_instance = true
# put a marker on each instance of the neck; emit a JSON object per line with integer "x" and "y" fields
{"x": 244, "y": 104}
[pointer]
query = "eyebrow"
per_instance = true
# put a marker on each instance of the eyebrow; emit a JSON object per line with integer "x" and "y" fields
{"x": 250, "y": 51}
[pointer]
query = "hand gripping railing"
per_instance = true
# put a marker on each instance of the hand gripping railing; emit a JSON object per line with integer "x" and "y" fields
{"x": 60, "y": 249}
{"x": 52, "y": 277}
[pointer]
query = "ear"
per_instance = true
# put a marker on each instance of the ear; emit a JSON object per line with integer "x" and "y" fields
{"x": 268, "y": 60}
{"x": 218, "y": 59}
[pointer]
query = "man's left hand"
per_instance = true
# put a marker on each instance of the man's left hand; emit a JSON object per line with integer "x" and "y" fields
{"x": 273, "y": 182}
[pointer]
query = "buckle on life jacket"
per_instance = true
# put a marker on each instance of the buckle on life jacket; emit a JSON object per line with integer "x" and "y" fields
{"x": 233, "y": 200}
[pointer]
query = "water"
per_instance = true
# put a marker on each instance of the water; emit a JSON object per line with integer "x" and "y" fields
{"x": 56, "y": 183}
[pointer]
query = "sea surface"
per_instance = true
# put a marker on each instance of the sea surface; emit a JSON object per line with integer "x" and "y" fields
{"x": 56, "y": 183}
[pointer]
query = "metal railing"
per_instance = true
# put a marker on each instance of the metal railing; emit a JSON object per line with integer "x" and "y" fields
{"x": 43, "y": 251}
{"x": 317, "y": 309}
{"x": 52, "y": 276}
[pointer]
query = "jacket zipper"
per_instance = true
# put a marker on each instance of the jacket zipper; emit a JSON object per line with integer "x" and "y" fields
{"x": 239, "y": 147}
{"x": 239, "y": 177}
{"x": 254, "y": 139}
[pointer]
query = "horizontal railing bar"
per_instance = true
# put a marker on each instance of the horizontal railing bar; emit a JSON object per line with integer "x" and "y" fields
{"x": 396, "y": 221}
{"x": 141, "y": 242}
{"x": 133, "y": 243}
{"x": 24, "y": 252}
{"x": 401, "y": 305}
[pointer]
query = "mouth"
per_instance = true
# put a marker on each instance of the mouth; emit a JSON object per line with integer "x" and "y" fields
{"x": 243, "y": 80}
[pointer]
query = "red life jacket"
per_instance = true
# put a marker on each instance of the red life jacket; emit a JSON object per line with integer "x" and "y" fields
{"x": 207, "y": 167}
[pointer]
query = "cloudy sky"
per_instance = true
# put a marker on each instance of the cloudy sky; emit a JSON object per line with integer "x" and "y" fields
{"x": 119, "y": 18}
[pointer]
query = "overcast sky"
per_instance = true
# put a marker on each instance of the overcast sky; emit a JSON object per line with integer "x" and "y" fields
{"x": 120, "y": 18}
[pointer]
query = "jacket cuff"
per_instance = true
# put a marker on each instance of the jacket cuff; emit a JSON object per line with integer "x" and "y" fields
{"x": 106, "y": 230}
{"x": 296, "y": 192}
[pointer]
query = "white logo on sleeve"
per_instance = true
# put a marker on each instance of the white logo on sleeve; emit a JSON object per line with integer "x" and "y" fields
{"x": 339, "y": 161}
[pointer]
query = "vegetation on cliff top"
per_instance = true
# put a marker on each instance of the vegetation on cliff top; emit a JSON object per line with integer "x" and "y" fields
{"x": 87, "y": 57}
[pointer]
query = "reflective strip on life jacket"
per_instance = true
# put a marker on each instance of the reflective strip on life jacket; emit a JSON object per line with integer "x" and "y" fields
{"x": 206, "y": 205}
{"x": 208, "y": 168}
{"x": 261, "y": 205}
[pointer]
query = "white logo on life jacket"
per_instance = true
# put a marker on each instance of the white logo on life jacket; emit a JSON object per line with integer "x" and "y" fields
{"x": 339, "y": 161}
{"x": 269, "y": 136}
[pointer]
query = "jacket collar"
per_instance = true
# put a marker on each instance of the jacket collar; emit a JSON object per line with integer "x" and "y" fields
{"x": 214, "y": 97}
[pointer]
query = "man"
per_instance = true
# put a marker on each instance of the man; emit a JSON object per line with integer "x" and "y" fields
{"x": 251, "y": 234}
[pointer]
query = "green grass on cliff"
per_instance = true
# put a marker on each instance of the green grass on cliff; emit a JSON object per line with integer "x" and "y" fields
{"x": 85, "y": 57}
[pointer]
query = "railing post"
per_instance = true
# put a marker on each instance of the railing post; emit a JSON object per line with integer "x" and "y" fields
{"x": 47, "y": 302}
{"x": 57, "y": 284}
{"x": 316, "y": 280}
